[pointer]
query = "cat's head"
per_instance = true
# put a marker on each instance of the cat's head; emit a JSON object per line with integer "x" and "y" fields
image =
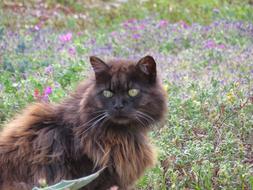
{"x": 127, "y": 91}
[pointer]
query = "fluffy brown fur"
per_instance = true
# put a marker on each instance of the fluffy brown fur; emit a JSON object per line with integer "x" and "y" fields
{"x": 70, "y": 140}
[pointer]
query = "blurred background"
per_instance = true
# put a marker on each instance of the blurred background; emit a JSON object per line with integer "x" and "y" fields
{"x": 204, "y": 51}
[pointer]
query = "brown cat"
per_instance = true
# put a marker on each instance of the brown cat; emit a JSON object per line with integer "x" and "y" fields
{"x": 103, "y": 124}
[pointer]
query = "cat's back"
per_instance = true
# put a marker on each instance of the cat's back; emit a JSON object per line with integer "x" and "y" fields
{"x": 17, "y": 139}
{"x": 22, "y": 124}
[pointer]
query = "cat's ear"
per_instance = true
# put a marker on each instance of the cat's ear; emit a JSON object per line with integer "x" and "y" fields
{"x": 147, "y": 66}
{"x": 100, "y": 67}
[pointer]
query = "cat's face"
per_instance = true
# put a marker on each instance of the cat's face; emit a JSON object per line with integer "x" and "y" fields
{"x": 128, "y": 92}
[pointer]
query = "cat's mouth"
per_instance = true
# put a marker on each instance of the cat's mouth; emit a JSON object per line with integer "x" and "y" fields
{"x": 120, "y": 119}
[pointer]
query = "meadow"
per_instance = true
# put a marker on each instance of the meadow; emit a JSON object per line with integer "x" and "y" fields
{"x": 204, "y": 51}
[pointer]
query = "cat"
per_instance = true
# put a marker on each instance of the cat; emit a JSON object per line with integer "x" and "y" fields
{"x": 104, "y": 123}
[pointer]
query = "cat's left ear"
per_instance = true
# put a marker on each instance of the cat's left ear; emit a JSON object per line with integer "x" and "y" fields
{"x": 147, "y": 66}
{"x": 100, "y": 67}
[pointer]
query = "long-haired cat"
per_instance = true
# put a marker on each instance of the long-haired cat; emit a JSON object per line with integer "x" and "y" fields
{"x": 104, "y": 123}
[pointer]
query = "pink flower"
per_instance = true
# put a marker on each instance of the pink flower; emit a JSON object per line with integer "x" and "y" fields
{"x": 66, "y": 37}
{"x": 131, "y": 20}
{"x": 163, "y": 23}
{"x": 141, "y": 27}
{"x": 221, "y": 46}
{"x": 48, "y": 90}
{"x": 113, "y": 34}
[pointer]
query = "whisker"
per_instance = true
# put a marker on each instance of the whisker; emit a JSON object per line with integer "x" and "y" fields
{"x": 98, "y": 111}
{"x": 139, "y": 120}
{"x": 146, "y": 115}
{"x": 95, "y": 123}
{"x": 92, "y": 119}
{"x": 147, "y": 121}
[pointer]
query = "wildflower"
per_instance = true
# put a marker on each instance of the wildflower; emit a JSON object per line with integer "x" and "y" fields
{"x": 66, "y": 37}
{"x": 230, "y": 96}
{"x": 210, "y": 44}
{"x": 163, "y": 23}
{"x": 36, "y": 93}
{"x": 113, "y": 34}
{"x": 166, "y": 87}
{"x": 47, "y": 91}
{"x": 136, "y": 36}
{"x": 141, "y": 27}
{"x": 131, "y": 20}
{"x": 184, "y": 24}
{"x": 49, "y": 69}
{"x": 36, "y": 27}
{"x": 221, "y": 46}
{"x": 72, "y": 51}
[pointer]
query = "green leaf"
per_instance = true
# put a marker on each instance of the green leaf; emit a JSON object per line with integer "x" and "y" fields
{"x": 72, "y": 184}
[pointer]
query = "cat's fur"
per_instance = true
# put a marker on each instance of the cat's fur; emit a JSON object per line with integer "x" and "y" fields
{"x": 72, "y": 139}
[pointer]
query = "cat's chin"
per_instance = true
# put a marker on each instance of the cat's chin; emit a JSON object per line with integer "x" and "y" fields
{"x": 120, "y": 120}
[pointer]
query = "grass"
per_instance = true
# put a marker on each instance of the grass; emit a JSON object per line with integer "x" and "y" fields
{"x": 204, "y": 53}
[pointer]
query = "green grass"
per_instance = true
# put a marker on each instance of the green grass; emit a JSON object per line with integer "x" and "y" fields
{"x": 93, "y": 14}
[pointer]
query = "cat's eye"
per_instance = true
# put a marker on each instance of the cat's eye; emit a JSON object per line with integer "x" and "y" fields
{"x": 107, "y": 93}
{"x": 133, "y": 92}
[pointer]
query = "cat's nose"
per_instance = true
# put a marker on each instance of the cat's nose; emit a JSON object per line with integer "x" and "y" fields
{"x": 119, "y": 104}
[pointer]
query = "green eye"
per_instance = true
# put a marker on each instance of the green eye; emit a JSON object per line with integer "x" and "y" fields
{"x": 107, "y": 93}
{"x": 133, "y": 92}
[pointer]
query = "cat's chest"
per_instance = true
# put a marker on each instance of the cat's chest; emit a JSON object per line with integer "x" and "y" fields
{"x": 125, "y": 157}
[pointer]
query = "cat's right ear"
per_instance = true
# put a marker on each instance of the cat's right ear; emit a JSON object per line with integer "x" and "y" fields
{"x": 100, "y": 67}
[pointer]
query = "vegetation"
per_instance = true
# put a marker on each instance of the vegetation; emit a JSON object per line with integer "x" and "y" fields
{"x": 204, "y": 50}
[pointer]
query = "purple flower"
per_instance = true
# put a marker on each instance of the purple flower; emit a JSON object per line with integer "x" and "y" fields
{"x": 66, "y": 37}
{"x": 210, "y": 44}
{"x": 48, "y": 90}
{"x": 36, "y": 27}
{"x": 49, "y": 69}
{"x": 136, "y": 36}
{"x": 72, "y": 51}
{"x": 184, "y": 24}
